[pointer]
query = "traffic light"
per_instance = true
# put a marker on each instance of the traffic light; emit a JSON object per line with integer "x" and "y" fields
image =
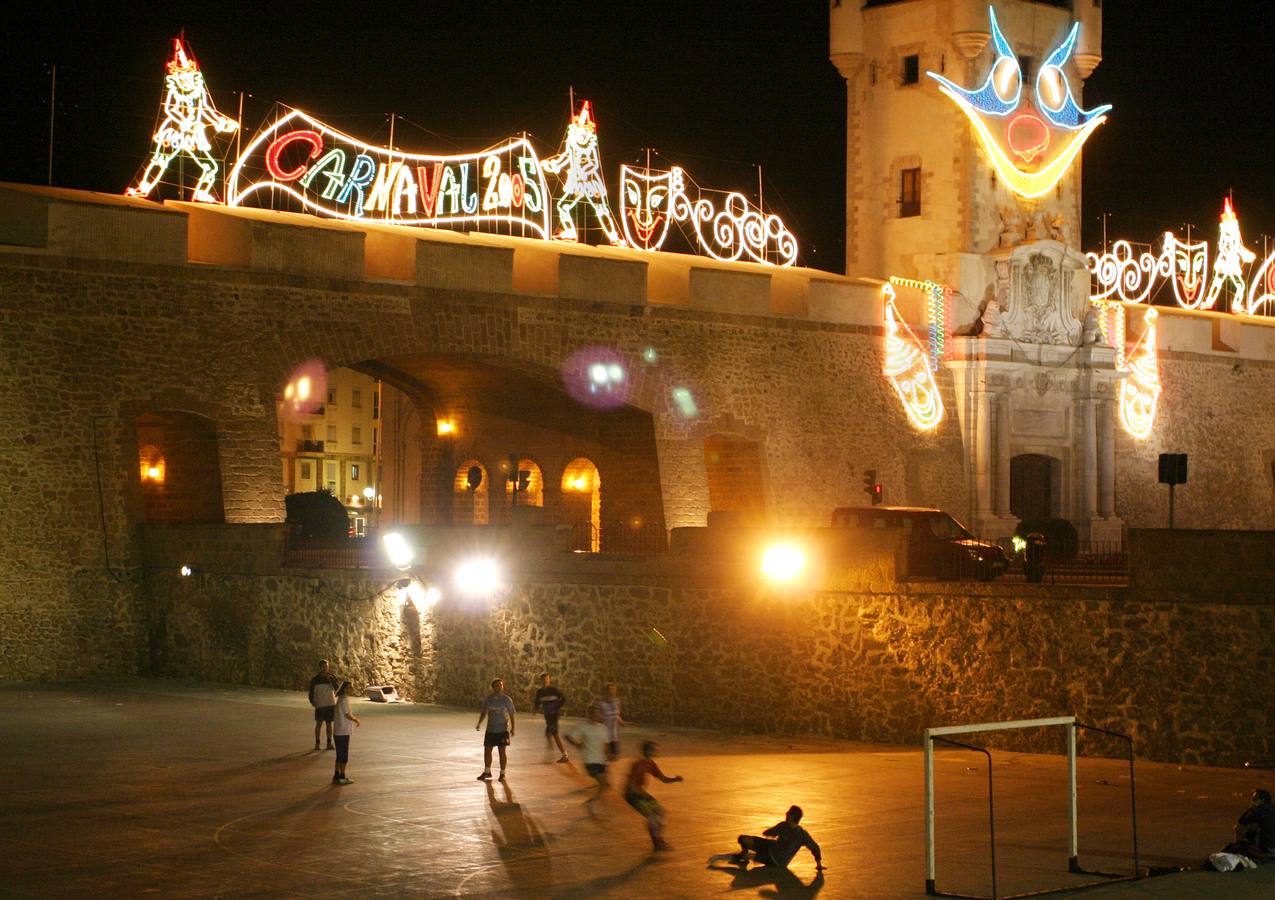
{"x": 871, "y": 486}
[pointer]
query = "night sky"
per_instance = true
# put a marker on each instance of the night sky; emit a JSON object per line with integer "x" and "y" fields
{"x": 715, "y": 87}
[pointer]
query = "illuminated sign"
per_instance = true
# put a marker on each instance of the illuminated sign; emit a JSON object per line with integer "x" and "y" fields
{"x": 1121, "y": 275}
{"x": 1030, "y": 142}
{"x": 1140, "y": 389}
{"x": 908, "y": 369}
{"x": 187, "y": 114}
{"x": 581, "y": 164}
{"x": 731, "y": 229}
{"x": 299, "y": 163}
{"x": 332, "y": 174}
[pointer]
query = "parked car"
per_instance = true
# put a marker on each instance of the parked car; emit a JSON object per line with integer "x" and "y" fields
{"x": 938, "y": 545}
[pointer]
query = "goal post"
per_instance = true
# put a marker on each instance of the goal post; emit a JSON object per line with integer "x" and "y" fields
{"x": 943, "y": 734}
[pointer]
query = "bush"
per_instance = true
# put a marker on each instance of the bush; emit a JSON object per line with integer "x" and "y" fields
{"x": 1061, "y": 542}
{"x": 316, "y": 514}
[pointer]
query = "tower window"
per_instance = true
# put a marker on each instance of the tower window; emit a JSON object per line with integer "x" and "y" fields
{"x": 910, "y": 192}
{"x": 912, "y": 69}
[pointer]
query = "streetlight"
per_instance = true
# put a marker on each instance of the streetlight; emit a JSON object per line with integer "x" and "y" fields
{"x": 783, "y": 562}
{"x": 397, "y": 549}
{"x": 477, "y": 576}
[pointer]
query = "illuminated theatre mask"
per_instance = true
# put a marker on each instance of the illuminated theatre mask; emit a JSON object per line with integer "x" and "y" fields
{"x": 1030, "y": 138}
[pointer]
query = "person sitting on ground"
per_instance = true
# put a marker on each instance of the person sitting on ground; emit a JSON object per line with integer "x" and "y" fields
{"x": 1255, "y": 830}
{"x": 323, "y": 698}
{"x": 778, "y": 847}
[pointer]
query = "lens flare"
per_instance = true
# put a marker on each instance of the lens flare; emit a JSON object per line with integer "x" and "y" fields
{"x": 307, "y": 388}
{"x": 597, "y": 377}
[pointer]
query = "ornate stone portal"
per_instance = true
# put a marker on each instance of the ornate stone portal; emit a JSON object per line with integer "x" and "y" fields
{"x": 1034, "y": 382}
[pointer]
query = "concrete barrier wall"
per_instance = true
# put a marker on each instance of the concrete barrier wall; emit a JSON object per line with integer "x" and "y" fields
{"x": 693, "y": 646}
{"x": 1193, "y": 566}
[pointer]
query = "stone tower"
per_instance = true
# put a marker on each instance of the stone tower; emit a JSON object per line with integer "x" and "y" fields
{"x": 964, "y": 129}
{"x": 921, "y": 193}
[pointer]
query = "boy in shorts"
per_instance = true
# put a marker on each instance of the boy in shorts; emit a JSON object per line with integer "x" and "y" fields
{"x": 343, "y": 718}
{"x": 635, "y": 793}
{"x": 323, "y": 698}
{"x": 498, "y": 710}
{"x": 610, "y": 706}
{"x": 551, "y": 700}
{"x": 591, "y": 738}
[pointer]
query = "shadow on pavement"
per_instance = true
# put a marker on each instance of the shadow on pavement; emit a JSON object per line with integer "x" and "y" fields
{"x": 771, "y": 881}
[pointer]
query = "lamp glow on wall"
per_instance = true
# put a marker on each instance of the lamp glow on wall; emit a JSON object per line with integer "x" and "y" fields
{"x": 907, "y": 368}
{"x": 152, "y": 465}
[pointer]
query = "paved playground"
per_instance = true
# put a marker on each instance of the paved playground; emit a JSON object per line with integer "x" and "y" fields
{"x": 168, "y": 788}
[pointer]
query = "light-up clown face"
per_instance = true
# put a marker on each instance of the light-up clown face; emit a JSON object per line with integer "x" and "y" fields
{"x": 646, "y": 202}
{"x": 1030, "y": 138}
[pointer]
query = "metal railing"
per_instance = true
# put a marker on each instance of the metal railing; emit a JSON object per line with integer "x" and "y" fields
{"x": 1094, "y": 562}
{"x": 647, "y": 539}
{"x": 331, "y": 553}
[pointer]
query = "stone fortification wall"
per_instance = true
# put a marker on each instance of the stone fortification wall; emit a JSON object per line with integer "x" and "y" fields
{"x": 1186, "y": 680}
{"x": 112, "y": 310}
{"x": 1217, "y": 410}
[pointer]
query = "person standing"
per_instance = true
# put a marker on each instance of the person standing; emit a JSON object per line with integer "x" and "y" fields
{"x": 342, "y": 727}
{"x": 610, "y": 707}
{"x": 636, "y": 795}
{"x": 498, "y": 710}
{"x": 551, "y": 700}
{"x": 323, "y": 688}
{"x": 591, "y": 738}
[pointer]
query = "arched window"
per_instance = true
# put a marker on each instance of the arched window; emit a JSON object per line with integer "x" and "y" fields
{"x": 470, "y": 493}
{"x": 582, "y": 504}
{"x": 534, "y": 495}
{"x": 179, "y": 468}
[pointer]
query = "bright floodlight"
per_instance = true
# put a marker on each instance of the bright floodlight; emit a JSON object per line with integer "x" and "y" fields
{"x": 369, "y": 492}
{"x": 398, "y": 550}
{"x": 186, "y": 571}
{"x": 783, "y": 562}
{"x": 477, "y": 576}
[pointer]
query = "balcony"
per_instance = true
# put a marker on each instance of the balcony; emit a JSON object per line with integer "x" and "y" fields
{"x": 304, "y": 446}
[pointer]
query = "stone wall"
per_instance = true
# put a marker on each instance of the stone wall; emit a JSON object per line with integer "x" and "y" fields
{"x": 695, "y": 645}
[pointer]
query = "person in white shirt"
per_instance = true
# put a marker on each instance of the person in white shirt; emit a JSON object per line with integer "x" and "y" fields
{"x": 591, "y": 738}
{"x": 610, "y": 707}
{"x": 498, "y": 710}
{"x": 341, "y": 728}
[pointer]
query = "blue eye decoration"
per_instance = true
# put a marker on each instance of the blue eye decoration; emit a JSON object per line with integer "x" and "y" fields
{"x": 1053, "y": 92}
{"x": 999, "y": 93}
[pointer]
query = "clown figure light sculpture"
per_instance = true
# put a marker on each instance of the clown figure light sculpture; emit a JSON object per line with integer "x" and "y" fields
{"x": 188, "y": 112}
{"x": 583, "y": 179}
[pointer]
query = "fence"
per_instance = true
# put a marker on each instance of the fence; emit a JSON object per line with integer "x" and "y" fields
{"x": 648, "y": 539}
{"x": 331, "y": 553}
{"x": 1093, "y": 562}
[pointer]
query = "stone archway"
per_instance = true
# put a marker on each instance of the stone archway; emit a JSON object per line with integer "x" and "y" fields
{"x": 179, "y": 467}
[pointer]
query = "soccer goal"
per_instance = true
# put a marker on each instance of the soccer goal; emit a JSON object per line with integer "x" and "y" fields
{"x": 942, "y": 735}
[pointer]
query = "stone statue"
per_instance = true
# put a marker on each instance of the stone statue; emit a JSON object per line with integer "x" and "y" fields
{"x": 993, "y": 327}
{"x": 1011, "y": 226}
{"x": 1059, "y": 228}
{"x": 1090, "y": 331}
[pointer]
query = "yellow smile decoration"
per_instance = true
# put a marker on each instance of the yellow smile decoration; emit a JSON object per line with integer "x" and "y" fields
{"x": 1026, "y": 184}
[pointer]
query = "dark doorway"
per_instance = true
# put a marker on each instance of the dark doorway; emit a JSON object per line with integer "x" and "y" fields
{"x": 1032, "y": 486}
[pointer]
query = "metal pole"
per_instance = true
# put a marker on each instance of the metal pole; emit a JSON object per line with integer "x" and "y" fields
{"x": 1073, "y": 861}
{"x": 53, "y": 99}
{"x": 929, "y": 814}
{"x": 1171, "y": 487}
